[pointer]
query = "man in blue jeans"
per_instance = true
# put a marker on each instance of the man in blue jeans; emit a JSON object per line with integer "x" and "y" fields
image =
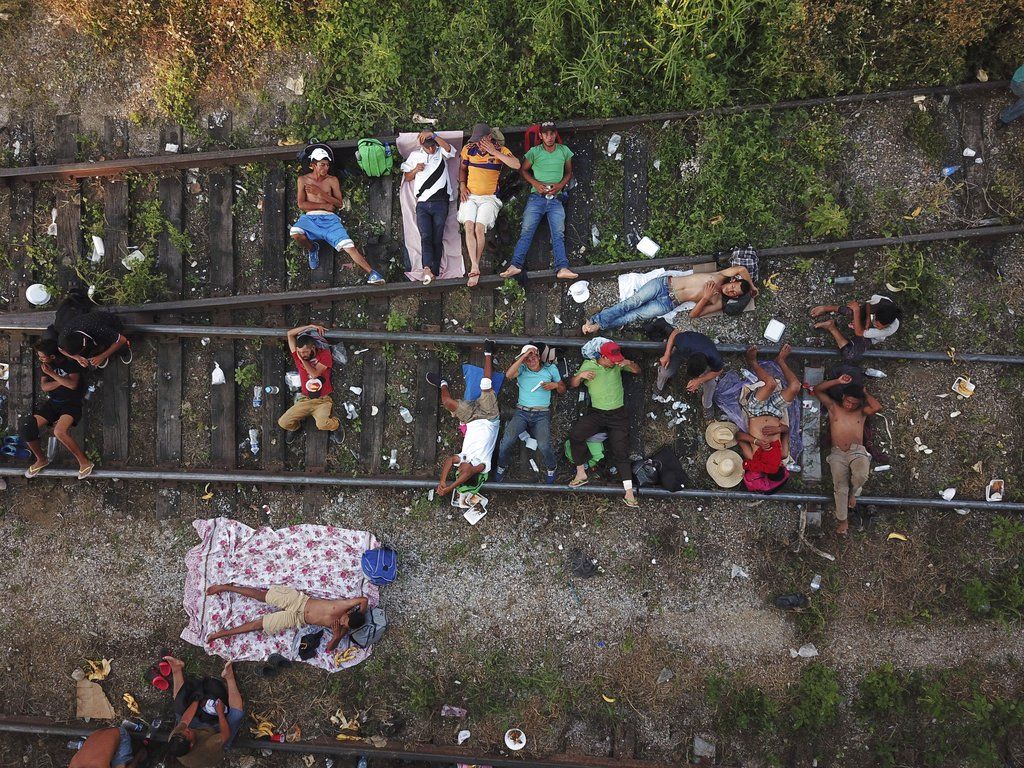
{"x": 427, "y": 170}
{"x": 547, "y": 168}
{"x": 1016, "y": 109}
{"x": 533, "y": 410}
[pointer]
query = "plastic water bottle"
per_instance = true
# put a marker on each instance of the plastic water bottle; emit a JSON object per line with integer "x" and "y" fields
{"x": 816, "y": 582}
{"x": 749, "y": 376}
{"x": 393, "y": 459}
{"x": 845, "y": 280}
{"x": 406, "y": 414}
{"x": 75, "y": 744}
{"x": 51, "y": 448}
{"x": 257, "y": 396}
{"x": 271, "y": 390}
{"x": 949, "y": 170}
{"x": 254, "y": 441}
{"x": 874, "y": 373}
{"x": 613, "y": 143}
{"x": 89, "y": 391}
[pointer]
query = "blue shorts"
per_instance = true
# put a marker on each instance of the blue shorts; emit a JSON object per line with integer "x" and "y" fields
{"x": 323, "y": 226}
{"x": 124, "y": 753}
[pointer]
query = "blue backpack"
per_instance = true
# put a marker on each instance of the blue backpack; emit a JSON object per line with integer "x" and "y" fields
{"x": 380, "y": 565}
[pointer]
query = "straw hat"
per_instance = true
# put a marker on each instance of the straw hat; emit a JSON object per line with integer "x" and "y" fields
{"x": 725, "y": 468}
{"x": 721, "y": 434}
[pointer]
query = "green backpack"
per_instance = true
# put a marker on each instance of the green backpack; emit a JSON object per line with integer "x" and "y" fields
{"x": 375, "y": 157}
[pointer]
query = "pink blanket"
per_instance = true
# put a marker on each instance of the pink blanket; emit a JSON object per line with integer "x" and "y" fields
{"x": 452, "y": 264}
{"x": 320, "y": 560}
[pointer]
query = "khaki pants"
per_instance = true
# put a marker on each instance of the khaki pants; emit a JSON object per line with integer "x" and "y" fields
{"x": 317, "y": 407}
{"x": 849, "y": 470}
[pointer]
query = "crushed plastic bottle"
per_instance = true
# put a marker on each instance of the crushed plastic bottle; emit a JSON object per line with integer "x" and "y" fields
{"x": 874, "y": 373}
{"x": 257, "y": 396}
{"x": 406, "y": 414}
{"x": 595, "y": 235}
{"x": 254, "y": 441}
{"x": 844, "y": 280}
{"x": 949, "y": 170}
{"x": 393, "y": 459}
{"x": 816, "y": 582}
{"x": 613, "y": 143}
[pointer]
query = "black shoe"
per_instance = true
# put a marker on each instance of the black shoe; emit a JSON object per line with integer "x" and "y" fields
{"x": 435, "y": 380}
{"x": 795, "y": 601}
{"x": 489, "y": 347}
{"x": 291, "y": 435}
{"x": 274, "y": 664}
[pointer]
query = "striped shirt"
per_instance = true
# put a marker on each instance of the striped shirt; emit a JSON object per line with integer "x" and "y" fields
{"x": 432, "y": 183}
{"x": 483, "y": 170}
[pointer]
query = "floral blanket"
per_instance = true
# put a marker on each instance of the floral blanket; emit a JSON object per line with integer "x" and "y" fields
{"x": 321, "y": 560}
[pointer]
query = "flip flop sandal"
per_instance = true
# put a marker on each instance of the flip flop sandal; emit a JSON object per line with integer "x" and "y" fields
{"x": 84, "y": 473}
{"x": 578, "y": 483}
{"x": 428, "y": 279}
{"x": 33, "y": 471}
{"x": 470, "y": 282}
{"x": 274, "y": 664}
{"x": 631, "y": 503}
{"x": 156, "y": 676}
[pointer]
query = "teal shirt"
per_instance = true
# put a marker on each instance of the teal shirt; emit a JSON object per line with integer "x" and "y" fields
{"x": 528, "y": 380}
{"x": 548, "y": 167}
{"x": 1018, "y": 77}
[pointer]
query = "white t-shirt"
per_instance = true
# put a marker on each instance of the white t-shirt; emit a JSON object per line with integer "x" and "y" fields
{"x": 432, "y": 179}
{"x": 880, "y": 334}
{"x": 478, "y": 444}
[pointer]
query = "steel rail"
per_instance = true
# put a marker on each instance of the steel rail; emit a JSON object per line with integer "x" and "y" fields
{"x": 339, "y": 293}
{"x": 14, "y": 323}
{"x": 426, "y": 752}
{"x": 159, "y": 163}
{"x": 425, "y": 483}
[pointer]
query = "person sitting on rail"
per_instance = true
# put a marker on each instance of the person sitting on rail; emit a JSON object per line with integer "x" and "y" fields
{"x": 479, "y": 171}
{"x": 481, "y": 419}
{"x": 537, "y": 380}
{"x": 698, "y": 352}
{"x": 298, "y": 610}
{"x": 547, "y": 168}
{"x": 319, "y": 196}
{"x": 1015, "y": 110}
{"x": 603, "y": 380}
{"x": 206, "y": 723}
{"x": 63, "y": 380}
{"x": 314, "y": 365}
{"x": 766, "y": 407}
{"x": 92, "y": 338}
{"x": 108, "y": 748}
{"x": 729, "y": 290}
{"x": 874, "y": 321}
{"x": 848, "y": 461}
{"x": 427, "y": 170}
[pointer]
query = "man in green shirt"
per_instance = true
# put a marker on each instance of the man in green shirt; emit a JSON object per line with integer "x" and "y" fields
{"x": 608, "y": 414}
{"x": 547, "y": 168}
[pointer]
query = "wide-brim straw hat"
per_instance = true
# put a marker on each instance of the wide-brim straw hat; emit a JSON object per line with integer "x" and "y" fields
{"x": 725, "y": 468}
{"x": 721, "y": 434}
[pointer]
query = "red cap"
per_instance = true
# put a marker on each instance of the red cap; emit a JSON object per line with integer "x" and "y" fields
{"x": 611, "y": 350}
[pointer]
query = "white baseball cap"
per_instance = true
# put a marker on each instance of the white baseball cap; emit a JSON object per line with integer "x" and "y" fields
{"x": 319, "y": 154}
{"x": 528, "y": 348}
{"x": 580, "y": 291}
{"x": 485, "y": 384}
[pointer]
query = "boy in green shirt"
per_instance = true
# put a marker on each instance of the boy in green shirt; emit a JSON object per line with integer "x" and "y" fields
{"x": 608, "y": 414}
{"x": 547, "y": 168}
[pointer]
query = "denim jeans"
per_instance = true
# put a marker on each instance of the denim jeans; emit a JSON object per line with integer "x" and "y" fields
{"x": 537, "y": 207}
{"x": 654, "y": 299}
{"x": 1016, "y": 109}
{"x": 538, "y": 425}
{"x": 430, "y": 220}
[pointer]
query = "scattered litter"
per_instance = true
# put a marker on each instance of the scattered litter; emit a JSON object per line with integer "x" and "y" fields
{"x": 418, "y": 118}
{"x": 374, "y": 410}
{"x": 702, "y": 748}
{"x": 90, "y": 700}
{"x": 982, "y": 76}
{"x": 962, "y": 511}
{"x": 883, "y": 468}
{"x": 963, "y": 387}
{"x": 207, "y": 493}
{"x": 406, "y": 414}
{"x": 360, "y": 351}
{"x": 977, "y": 468}
{"x": 774, "y": 330}
{"x": 515, "y": 739}
{"x": 133, "y": 706}
{"x": 994, "y": 490}
{"x": 618, "y": 156}
{"x": 393, "y": 458}
{"x": 665, "y": 675}
{"x": 648, "y": 247}
{"x": 98, "y": 670}
{"x": 808, "y": 651}
{"x": 948, "y": 494}
{"x": 949, "y": 170}
{"x": 558, "y": 320}
{"x": 449, "y": 711}
{"x": 594, "y": 235}
{"x": 921, "y": 447}
{"x": 52, "y": 229}
{"x": 254, "y": 440}
{"x": 296, "y": 84}
{"x": 531, "y": 443}
{"x": 217, "y": 375}
{"x": 739, "y": 572}
{"x": 896, "y": 537}
{"x": 463, "y": 737}
{"x": 613, "y": 143}
{"x": 475, "y": 514}
{"x": 954, "y": 414}
{"x": 37, "y": 295}
{"x": 133, "y": 258}
{"x": 533, "y": 466}
{"x": 874, "y": 373}
{"x": 356, "y": 390}
{"x": 816, "y": 582}
{"x": 607, "y": 699}
{"x": 168, "y": 147}
{"x": 968, "y": 152}
{"x": 657, "y": 165}
{"x": 99, "y": 250}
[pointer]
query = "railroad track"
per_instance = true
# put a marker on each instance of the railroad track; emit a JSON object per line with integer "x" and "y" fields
{"x": 171, "y": 455}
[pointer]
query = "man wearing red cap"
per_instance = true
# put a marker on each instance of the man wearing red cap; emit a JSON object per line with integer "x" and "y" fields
{"x": 608, "y": 414}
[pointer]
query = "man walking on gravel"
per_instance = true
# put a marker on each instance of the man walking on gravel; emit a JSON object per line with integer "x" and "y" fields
{"x": 608, "y": 414}
{"x": 547, "y": 168}
{"x": 319, "y": 196}
{"x": 482, "y": 163}
{"x": 314, "y": 365}
{"x": 849, "y": 461}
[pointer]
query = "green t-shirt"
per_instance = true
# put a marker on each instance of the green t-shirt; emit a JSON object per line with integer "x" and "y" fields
{"x": 605, "y": 388}
{"x": 549, "y": 167}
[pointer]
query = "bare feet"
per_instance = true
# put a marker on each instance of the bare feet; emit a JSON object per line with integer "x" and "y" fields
{"x": 216, "y": 589}
{"x": 751, "y": 355}
{"x": 228, "y": 672}
{"x": 818, "y": 311}
{"x": 589, "y": 328}
{"x": 176, "y": 664}
{"x": 512, "y": 271}
{"x": 566, "y": 274}
{"x": 842, "y": 527}
{"x": 826, "y": 324}
{"x": 783, "y": 353}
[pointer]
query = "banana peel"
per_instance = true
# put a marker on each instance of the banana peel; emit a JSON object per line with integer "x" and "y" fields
{"x": 769, "y": 282}
{"x": 345, "y": 723}
{"x": 897, "y": 537}
{"x": 207, "y": 493}
{"x": 264, "y": 727}
{"x": 607, "y": 699}
{"x": 131, "y": 703}
{"x": 98, "y": 670}
{"x": 715, "y": 221}
{"x": 342, "y": 657}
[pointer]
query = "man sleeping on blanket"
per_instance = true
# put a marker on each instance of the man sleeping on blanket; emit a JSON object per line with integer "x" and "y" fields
{"x": 767, "y": 427}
